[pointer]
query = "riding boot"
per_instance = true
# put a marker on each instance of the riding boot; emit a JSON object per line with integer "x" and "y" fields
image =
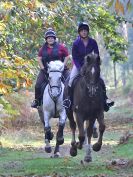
{"x": 68, "y": 101}
{"x": 37, "y": 101}
{"x": 107, "y": 105}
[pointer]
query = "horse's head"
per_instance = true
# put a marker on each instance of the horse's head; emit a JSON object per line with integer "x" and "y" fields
{"x": 91, "y": 71}
{"x": 55, "y": 69}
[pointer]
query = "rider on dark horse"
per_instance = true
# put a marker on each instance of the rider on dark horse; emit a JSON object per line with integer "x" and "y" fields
{"x": 83, "y": 46}
{"x": 50, "y": 51}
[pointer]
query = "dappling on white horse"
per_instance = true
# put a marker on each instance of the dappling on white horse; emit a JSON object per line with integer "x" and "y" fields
{"x": 53, "y": 105}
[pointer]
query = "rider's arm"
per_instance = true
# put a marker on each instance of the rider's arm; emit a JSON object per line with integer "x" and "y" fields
{"x": 40, "y": 59}
{"x": 40, "y": 62}
{"x": 95, "y": 46}
{"x": 65, "y": 53}
{"x": 75, "y": 56}
{"x": 66, "y": 60}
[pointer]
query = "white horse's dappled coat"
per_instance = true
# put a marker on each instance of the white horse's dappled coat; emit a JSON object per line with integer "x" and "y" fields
{"x": 53, "y": 94}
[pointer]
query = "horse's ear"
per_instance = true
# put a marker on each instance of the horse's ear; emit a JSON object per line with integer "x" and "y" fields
{"x": 97, "y": 57}
{"x": 48, "y": 66}
{"x": 87, "y": 58}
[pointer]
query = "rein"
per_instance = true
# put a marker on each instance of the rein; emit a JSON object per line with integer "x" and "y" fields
{"x": 50, "y": 92}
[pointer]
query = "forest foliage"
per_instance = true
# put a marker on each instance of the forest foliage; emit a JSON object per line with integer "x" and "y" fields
{"x": 22, "y": 26}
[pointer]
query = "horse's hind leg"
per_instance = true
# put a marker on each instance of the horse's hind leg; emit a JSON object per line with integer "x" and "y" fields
{"x": 97, "y": 146}
{"x": 72, "y": 123}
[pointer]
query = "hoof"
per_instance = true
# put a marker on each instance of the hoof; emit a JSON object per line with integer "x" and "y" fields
{"x": 96, "y": 147}
{"x": 79, "y": 146}
{"x": 60, "y": 141}
{"x": 88, "y": 159}
{"x": 57, "y": 155}
{"x": 48, "y": 149}
{"x": 73, "y": 151}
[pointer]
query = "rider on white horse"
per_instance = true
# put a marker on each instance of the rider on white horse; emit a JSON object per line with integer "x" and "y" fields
{"x": 50, "y": 51}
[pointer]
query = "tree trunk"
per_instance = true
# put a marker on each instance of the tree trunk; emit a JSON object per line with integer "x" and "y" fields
{"x": 114, "y": 68}
{"x": 123, "y": 75}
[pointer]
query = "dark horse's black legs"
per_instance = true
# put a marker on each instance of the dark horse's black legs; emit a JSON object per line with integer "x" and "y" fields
{"x": 97, "y": 146}
{"x": 81, "y": 136}
{"x": 88, "y": 157}
{"x": 73, "y": 149}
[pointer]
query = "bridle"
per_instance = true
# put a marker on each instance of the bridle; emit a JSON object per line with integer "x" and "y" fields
{"x": 91, "y": 86}
{"x": 50, "y": 92}
{"x": 54, "y": 86}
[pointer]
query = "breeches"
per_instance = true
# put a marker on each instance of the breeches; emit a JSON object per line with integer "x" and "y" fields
{"x": 41, "y": 79}
{"x": 74, "y": 73}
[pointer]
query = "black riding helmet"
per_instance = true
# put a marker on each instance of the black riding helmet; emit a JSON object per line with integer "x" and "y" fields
{"x": 50, "y": 33}
{"x": 83, "y": 25}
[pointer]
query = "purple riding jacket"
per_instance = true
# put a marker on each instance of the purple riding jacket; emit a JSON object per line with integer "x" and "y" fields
{"x": 79, "y": 51}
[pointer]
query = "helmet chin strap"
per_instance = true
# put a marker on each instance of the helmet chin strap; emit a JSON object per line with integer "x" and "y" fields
{"x": 84, "y": 37}
{"x": 51, "y": 44}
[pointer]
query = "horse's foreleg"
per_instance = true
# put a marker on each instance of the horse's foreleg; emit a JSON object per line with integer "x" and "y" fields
{"x": 57, "y": 151}
{"x": 48, "y": 133}
{"x": 72, "y": 123}
{"x": 46, "y": 118}
{"x": 62, "y": 120}
{"x": 59, "y": 136}
{"x": 88, "y": 157}
{"x": 63, "y": 117}
{"x": 97, "y": 146}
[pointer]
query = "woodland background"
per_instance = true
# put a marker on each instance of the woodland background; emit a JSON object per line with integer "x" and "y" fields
{"x": 22, "y": 27}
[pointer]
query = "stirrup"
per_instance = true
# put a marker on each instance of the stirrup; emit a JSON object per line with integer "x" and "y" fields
{"x": 111, "y": 103}
{"x": 35, "y": 104}
{"x": 67, "y": 103}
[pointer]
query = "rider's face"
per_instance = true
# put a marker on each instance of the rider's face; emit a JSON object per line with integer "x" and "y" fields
{"x": 50, "y": 40}
{"x": 83, "y": 33}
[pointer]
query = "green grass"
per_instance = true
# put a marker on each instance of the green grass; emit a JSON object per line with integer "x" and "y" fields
{"x": 20, "y": 163}
{"x": 23, "y": 163}
{"x": 20, "y": 155}
{"x": 125, "y": 150}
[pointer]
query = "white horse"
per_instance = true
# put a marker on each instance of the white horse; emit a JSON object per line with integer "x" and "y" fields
{"x": 53, "y": 105}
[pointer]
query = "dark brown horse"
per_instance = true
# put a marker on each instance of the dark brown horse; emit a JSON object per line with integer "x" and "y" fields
{"x": 87, "y": 106}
